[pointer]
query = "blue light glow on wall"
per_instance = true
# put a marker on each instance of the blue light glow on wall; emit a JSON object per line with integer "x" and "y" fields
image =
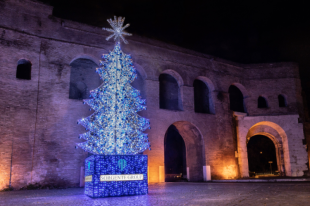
{"x": 98, "y": 165}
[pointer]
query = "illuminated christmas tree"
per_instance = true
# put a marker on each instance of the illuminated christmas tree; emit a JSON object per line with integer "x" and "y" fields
{"x": 115, "y": 128}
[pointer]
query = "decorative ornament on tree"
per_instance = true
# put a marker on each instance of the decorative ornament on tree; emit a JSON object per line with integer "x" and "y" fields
{"x": 115, "y": 128}
{"x": 118, "y": 30}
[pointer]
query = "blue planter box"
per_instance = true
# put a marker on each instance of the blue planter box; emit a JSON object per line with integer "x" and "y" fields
{"x": 116, "y": 175}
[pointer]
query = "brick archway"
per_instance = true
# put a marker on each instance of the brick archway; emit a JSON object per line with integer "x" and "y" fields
{"x": 285, "y": 131}
{"x": 272, "y": 131}
{"x": 277, "y": 141}
{"x": 279, "y": 138}
{"x": 194, "y": 149}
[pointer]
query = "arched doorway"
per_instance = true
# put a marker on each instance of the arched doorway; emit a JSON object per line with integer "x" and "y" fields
{"x": 262, "y": 156}
{"x": 175, "y": 156}
{"x": 283, "y": 131}
{"x": 183, "y": 152}
{"x": 277, "y": 135}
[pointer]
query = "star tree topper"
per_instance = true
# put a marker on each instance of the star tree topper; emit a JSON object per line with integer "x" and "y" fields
{"x": 117, "y": 29}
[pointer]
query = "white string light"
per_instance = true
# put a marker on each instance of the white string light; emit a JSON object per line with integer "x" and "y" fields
{"x": 117, "y": 29}
{"x": 115, "y": 128}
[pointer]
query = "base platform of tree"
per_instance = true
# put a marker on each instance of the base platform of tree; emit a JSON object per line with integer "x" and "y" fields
{"x": 116, "y": 175}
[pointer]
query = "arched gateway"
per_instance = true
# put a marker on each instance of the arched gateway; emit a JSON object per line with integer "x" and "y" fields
{"x": 262, "y": 156}
{"x": 183, "y": 152}
{"x": 279, "y": 138}
{"x": 276, "y": 131}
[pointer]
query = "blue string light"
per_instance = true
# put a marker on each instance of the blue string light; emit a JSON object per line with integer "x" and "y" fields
{"x": 115, "y": 128}
{"x": 98, "y": 165}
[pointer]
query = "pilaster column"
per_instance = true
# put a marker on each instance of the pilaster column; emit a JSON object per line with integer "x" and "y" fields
{"x": 241, "y": 144}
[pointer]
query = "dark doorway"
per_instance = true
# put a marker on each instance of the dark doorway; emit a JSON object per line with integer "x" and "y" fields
{"x": 175, "y": 156}
{"x": 262, "y": 151}
{"x": 169, "y": 93}
{"x": 201, "y": 97}
{"x": 236, "y": 99}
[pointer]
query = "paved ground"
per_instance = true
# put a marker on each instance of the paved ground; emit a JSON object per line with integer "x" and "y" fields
{"x": 297, "y": 193}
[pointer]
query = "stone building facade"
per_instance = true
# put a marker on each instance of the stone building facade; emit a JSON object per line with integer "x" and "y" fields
{"x": 47, "y": 67}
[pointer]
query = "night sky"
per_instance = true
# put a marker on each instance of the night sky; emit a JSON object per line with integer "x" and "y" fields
{"x": 244, "y": 31}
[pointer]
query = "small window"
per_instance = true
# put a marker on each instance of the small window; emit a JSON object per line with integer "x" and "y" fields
{"x": 23, "y": 69}
{"x": 282, "y": 101}
{"x": 262, "y": 102}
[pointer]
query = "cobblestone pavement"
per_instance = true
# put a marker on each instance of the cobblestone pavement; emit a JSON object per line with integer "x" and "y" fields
{"x": 175, "y": 194}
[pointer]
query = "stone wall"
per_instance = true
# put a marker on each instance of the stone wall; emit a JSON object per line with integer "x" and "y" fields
{"x": 38, "y": 119}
